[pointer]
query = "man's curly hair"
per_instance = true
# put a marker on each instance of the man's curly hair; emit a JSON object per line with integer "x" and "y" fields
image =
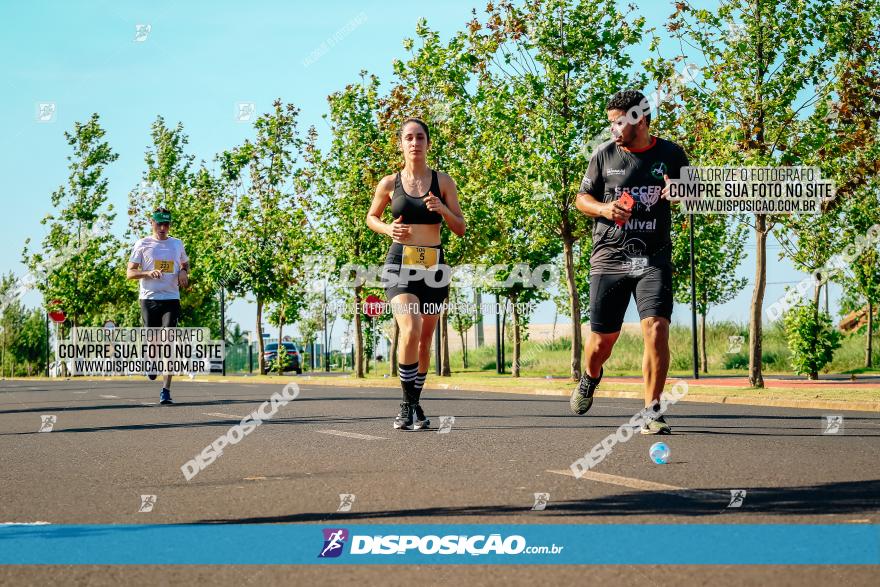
{"x": 627, "y": 99}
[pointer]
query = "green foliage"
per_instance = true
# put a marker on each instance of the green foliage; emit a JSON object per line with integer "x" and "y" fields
{"x": 546, "y": 69}
{"x": 199, "y": 206}
{"x": 22, "y": 334}
{"x": 719, "y": 249}
{"x": 80, "y": 262}
{"x": 751, "y": 101}
{"x": 269, "y": 232}
{"x": 812, "y": 339}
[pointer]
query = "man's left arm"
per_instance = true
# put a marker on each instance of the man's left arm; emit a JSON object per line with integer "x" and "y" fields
{"x": 183, "y": 274}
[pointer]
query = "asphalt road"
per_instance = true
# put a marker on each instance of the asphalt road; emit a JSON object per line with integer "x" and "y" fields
{"x": 111, "y": 443}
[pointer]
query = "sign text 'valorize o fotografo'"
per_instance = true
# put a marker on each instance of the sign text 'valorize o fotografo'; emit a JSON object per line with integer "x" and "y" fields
{"x": 755, "y": 190}
{"x": 139, "y": 351}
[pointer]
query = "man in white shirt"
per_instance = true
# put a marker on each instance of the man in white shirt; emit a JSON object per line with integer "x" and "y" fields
{"x": 160, "y": 263}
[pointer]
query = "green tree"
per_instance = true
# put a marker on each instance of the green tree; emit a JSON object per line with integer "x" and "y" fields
{"x": 436, "y": 83}
{"x": 461, "y": 321}
{"x": 342, "y": 182}
{"x": 235, "y": 336}
{"x": 22, "y": 333}
{"x": 311, "y": 319}
{"x": 812, "y": 339}
{"x": 720, "y": 252}
{"x": 80, "y": 262}
{"x": 199, "y": 206}
{"x": 561, "y": 60}
{"x": 268, "y": 231}
{"x": 860, "y": 274}
{"x": 764, "y": 65}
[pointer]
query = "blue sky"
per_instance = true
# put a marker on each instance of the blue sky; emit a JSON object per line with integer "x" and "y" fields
{"x": 197, "y": 62}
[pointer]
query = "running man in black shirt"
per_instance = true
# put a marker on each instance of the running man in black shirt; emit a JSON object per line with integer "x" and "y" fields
{"x": 625, "y": 190}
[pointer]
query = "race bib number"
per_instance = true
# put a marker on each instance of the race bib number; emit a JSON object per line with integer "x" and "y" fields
{"x": 164, "y": 266}
{"x": 424, "y": 257}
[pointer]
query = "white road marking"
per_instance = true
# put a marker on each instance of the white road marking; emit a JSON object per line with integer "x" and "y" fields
{"x": 148, "y": 403}
{"x": 219, "y": 415}
{"x": 352, "y": 435}
{"x": 639, "y": 484}
{"x": 24, "y": 523}
{"x": 110, "y": 396}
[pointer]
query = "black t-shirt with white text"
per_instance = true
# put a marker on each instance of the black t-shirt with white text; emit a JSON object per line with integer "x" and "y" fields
{"x": 644, "y": 241}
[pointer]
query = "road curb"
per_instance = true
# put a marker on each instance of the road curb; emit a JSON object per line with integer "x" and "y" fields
{"x": 810, "y": 404}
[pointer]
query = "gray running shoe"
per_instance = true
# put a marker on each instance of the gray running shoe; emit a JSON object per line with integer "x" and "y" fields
{"x": 404, "y": 420}
{"x": 656, "y": 426}
{"x": 581, "y": 399}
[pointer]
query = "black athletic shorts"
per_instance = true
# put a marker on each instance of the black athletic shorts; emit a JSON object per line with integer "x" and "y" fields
{"x": 610, "y": 294}
{"x": 430, "y": 287}
{"x": 160, "y": 313}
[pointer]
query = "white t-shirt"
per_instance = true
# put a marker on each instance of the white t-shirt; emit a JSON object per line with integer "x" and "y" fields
{"x": 167, "y": 256}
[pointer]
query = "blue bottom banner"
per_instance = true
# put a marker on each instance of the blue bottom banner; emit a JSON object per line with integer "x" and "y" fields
{"x": 579, "y": 544}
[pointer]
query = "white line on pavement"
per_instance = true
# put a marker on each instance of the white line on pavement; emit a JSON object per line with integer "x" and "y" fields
{"x": 352, "y": 435}
{"x": 219, "y": 415}
{"x": 109, "y": 396}
{"x": 639, "y": 484}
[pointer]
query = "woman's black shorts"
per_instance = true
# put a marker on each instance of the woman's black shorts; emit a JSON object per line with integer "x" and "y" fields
{"x": 430, "y": 287}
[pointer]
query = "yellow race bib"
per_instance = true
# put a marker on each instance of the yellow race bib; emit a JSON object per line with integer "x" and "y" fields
{"x": 424, "y": 257}
{"x": 164, "y": 266}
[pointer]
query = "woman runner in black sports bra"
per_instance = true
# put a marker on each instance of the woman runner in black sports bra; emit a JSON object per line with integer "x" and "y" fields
{"x": 417, "y": 278}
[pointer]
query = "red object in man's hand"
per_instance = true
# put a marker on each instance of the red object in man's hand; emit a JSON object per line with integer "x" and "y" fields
{"x": 627, "y": 202}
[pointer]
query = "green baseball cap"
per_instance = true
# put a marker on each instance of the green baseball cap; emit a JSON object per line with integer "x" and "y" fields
{"x": 161, "y": 217}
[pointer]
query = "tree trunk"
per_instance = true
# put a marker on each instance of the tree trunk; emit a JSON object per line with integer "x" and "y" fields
{"x": 516, "y": 339}
{"x": 358, "y": 336}
{"x": 504, "y": 337}
{"x": 446, "y": 370}
{"x": 281, "y": 348}
{"x": 478, "y": 330}
{"x": 370, "y": 348}
{"x": 261, "y": 360}
{"x": 574, "y": 302}
{"x": 756, "y": 378}
{"x": 869, "y": 345}
{"x": 392, "y": 359}
{"x": 704, "y": 357}
{"x": 462, "y": 335}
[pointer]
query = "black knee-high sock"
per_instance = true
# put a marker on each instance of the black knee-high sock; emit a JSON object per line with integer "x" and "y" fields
{"x": 419, "y": 384}
{"x": 407, "y": 374}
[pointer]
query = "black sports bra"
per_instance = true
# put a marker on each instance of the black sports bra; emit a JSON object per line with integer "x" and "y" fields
{"x": 413, "y": 208}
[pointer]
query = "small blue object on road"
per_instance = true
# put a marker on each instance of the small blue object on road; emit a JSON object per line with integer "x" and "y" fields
{"x": 659, "y": 453}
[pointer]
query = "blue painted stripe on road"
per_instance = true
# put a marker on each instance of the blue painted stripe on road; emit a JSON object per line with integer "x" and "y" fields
{"x": 205, "y": 544}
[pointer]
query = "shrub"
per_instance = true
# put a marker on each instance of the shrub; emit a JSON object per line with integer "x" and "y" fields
{"x": 811, "y": 338}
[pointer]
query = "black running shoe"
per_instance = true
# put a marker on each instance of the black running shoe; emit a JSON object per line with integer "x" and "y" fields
{"x": 581, "y": 399}
{"x": 422, "y": 422}
{"x": 165, "y": 397}
{"x": 404, "y": 420}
